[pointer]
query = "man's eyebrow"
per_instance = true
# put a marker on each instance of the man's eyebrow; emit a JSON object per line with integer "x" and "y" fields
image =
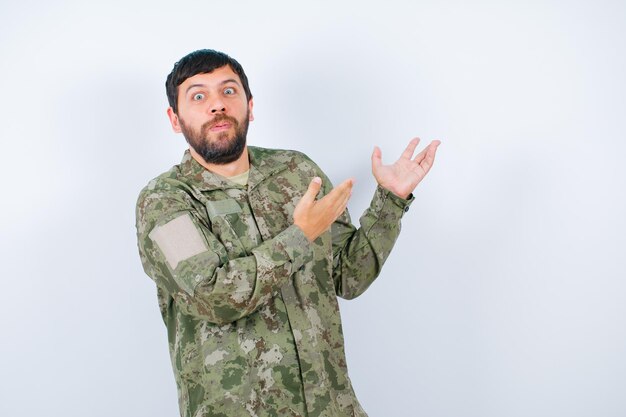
{"x": 230, "y": 80}
{"x": 194, "y": 85}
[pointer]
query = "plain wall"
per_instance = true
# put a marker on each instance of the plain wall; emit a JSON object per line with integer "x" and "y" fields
{"x": 505, "y": 294}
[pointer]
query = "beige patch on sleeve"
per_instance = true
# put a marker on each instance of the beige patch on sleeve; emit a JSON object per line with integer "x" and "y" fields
{"x": 178, "y": 239}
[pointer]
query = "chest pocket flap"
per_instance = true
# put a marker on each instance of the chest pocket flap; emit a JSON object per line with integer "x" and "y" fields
{"x": 220, "y": 208}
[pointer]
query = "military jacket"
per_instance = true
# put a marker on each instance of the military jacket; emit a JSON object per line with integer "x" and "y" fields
{"x": 250, "y": 305}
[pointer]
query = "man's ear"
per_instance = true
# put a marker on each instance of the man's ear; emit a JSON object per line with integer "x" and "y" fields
{"x": 174, "y": 120}
{"x": 250, "y": 105}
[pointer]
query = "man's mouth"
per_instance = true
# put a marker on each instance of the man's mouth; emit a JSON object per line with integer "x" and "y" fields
{"x": 220, "y": 126}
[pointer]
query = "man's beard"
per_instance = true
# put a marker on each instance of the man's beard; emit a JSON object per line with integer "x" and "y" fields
{"x": 221, "y": 149}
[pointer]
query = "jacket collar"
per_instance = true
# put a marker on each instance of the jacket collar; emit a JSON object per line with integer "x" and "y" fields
{"x": 262, "y": 166}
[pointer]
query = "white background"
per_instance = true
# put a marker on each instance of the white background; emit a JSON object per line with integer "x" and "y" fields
{"x": 505, "y": 295}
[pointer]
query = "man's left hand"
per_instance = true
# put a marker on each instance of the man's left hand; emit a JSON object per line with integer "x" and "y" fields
{"x": 402, "y": 176}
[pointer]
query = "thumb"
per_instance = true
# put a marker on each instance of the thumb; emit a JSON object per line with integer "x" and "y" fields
{"x": 312, "y": 191}
{"x": 376, "y": 158}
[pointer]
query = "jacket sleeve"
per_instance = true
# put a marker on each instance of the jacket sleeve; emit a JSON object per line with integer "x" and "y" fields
{"x": 183, "y": 257}
{"x": 359, "y": 254}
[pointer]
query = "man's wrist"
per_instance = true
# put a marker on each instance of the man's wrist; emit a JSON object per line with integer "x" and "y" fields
{"x": 404, "y": 196}
{"x": 401, "y": 202}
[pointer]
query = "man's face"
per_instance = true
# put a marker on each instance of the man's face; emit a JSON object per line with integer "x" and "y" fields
{"x": 213, "y": 115}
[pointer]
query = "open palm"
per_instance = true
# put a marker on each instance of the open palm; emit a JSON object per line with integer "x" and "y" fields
{"x": 402, "y": 176}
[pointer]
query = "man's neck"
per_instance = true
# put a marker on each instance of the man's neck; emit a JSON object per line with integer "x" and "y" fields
{"x": 239, "y": 166}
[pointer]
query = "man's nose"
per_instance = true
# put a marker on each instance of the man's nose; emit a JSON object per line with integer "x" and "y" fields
{"x": 217, "y": 106}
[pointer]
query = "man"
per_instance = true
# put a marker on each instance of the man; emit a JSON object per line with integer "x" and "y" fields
{"x": 248, "y": 259}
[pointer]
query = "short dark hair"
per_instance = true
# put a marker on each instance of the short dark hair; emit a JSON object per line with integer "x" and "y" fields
{"x": 201, "y": 61}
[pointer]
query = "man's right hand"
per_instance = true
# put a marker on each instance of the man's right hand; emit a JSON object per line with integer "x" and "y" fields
{"x": 315, "y": 217}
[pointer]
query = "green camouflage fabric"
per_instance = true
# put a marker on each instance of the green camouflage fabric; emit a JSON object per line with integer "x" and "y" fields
{"x": 250, "y": 305}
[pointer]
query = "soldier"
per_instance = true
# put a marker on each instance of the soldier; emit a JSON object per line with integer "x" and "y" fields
{"x": 249, "y": 249}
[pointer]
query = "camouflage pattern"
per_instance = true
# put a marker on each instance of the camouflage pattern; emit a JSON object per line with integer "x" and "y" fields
{"x": 253, "y": 320}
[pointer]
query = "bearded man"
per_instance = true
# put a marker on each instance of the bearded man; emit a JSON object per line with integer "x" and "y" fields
{"x": 250, "y": 248}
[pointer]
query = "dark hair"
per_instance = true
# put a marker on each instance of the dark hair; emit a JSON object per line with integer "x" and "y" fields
{"x": 201, "y": 61}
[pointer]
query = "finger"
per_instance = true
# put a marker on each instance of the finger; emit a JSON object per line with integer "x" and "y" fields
{"x": 344, "y": 203}
{"x": 408, "y": 152}
{"x": 335, "y": 198}
{"x": 418, "y": 158}
{"x": 348, "y": 195}
{"x": 376, "y": 158}
{"x": 429, "y": 158}
{"x": 314, "y": 188}
{"x": 346, "y": 185}
{"x": 338, "y": 208}
{"x": 339, "y": 191}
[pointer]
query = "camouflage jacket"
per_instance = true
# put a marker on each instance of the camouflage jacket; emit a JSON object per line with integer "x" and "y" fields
{"x": 250, "y": 305}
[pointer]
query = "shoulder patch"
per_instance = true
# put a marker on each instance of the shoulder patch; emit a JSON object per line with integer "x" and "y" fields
{"x": 178, "y": 239}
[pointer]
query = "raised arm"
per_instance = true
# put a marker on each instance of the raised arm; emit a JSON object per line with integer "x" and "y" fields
{"x": 359, "y": 254}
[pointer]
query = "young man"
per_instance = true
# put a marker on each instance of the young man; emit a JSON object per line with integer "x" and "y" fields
{"x": 249, "y": 249}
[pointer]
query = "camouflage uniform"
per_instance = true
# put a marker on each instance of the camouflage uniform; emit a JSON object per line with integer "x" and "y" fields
{"x": 249, "y": 303}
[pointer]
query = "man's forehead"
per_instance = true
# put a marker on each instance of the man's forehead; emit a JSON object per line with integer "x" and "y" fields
{"x": 217, "y": 76}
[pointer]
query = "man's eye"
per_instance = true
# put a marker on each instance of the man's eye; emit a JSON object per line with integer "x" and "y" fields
{"x": 229, "y": 91}
{"x": 198, "y": 96}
